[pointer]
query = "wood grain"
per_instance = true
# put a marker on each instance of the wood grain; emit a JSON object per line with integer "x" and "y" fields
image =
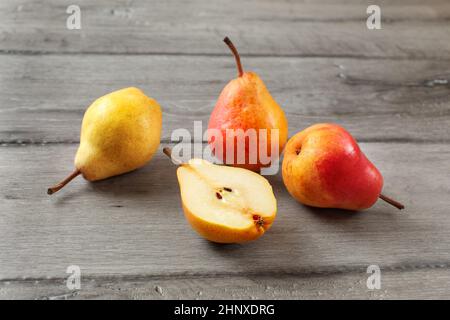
{"x": 414, "y": 29}
{"x": 44, "y": 97}
{"x": 134, "y": 225}
{"x": 399, "y": 284}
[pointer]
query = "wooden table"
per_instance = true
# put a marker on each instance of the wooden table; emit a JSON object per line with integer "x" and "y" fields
{"x": 388, "y": 87}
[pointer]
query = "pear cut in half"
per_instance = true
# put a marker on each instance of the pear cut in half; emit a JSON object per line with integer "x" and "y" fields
{"x": 226, "y": 204}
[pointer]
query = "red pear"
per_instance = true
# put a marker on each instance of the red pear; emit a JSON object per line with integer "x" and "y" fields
{"x": 323, "y": 166}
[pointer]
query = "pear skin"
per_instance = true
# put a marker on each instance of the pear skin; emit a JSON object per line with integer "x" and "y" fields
{"x": 120, "y": 132}
{"x": 245, "y": 103}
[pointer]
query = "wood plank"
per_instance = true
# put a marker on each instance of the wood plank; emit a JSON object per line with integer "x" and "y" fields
{"x": 134, "y": 225}
{"x": 412, "y": 29}
{"x": 44, "y": 97}
{"x": 404, "y": 284}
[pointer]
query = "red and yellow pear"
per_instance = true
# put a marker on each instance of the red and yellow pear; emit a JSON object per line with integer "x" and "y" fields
{"x": 323, "y": 166}
{"x": 246, "y": 104}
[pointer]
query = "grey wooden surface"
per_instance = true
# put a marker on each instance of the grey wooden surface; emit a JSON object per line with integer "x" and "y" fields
{"x": 406, "y": 97}
{"x": 389, "y": 87}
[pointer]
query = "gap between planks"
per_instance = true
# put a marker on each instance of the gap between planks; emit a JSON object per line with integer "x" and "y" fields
{"x": 328, "y": 271}
{"x": 7, "y": 52}
{"x": 25, "y": 143}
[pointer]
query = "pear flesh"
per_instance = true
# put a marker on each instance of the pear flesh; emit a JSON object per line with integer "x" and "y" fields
{"x": 226, "y": 204}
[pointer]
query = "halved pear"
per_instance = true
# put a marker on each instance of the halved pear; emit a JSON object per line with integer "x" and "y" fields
{"x": 226, "y": 204}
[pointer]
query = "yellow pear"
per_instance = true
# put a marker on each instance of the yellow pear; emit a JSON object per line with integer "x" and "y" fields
{"x": 120, "y": 133}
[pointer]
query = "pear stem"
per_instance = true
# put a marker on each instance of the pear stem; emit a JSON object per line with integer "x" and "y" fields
{"x": 392, "y": 202}
{"x": 61, "y": 185}
{"x": 168, "y": 152}
{"x": 236, "y": 55}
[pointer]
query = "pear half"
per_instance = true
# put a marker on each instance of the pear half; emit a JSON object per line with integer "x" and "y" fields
{"x": 225, "y": 204}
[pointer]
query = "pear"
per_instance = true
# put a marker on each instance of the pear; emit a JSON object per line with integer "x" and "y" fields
{"x": 225, "y": 204}
{"x": 246, "y": 104}
{"x": 323, "y": 166}
{"x": 120, "y": 133}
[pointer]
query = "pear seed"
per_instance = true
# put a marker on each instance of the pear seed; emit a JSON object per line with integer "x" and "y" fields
{"x": 259, "y": 221}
